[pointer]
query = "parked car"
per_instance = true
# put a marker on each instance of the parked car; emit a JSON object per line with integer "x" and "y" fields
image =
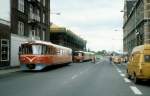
{"x": 116, "y": 59}
{"x": 138, "y": 67}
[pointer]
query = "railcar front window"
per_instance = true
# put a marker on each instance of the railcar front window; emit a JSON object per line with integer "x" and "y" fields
{"x": 75, "y": 54}
{"x": 147, "y": 58}
{"x": 31, "y": 49}
{"x": 36, "y": 49}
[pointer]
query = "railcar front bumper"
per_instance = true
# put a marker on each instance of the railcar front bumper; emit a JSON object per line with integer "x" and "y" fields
{"x": 32, "y": 66}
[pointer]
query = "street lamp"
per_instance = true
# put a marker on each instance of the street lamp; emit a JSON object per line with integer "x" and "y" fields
{"x": 56, "y": 13}
{"x": 120, "y": 39}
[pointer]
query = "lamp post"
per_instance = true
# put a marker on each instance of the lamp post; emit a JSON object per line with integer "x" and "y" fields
{"x": 118, "y": 30}
{"x": 56, "y": 13}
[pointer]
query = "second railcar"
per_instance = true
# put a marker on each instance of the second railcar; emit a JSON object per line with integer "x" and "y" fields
{"x": 80, "y": 56}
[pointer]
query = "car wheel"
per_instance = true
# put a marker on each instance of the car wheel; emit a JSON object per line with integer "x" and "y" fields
{"x": 128, "y": 76}
{"x": 136, "y": 80}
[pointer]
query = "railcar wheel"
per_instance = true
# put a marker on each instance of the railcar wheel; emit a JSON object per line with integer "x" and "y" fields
{"x": 31, "y": 66}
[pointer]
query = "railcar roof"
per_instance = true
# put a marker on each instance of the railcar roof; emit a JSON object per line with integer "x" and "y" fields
{"x": 46, "y": 43}
{"x": 85, "y": 52}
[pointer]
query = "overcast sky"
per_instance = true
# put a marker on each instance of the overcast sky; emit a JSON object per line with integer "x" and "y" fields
{"x": 94, "y": 20}
{"x": 97, "y": 21}
{"x": 5, "y": 9}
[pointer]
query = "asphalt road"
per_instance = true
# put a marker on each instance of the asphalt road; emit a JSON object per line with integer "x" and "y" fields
{"x": 77, "y": 79}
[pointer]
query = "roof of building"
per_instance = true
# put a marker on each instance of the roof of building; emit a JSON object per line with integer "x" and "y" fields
{"x": 2, "y": 21}
{"x": 57, "y": 29}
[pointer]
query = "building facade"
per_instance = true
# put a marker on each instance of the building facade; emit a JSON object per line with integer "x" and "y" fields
{"x": 4, "y": 43}
{"x": 65, "y": 37}
{"x": 29, "y": 21}
{"x": 136, "y": 24}
{"x": 30, "y": 18}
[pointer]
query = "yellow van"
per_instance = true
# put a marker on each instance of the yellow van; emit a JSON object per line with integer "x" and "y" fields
{"x": 117, "y": 59}
{"x": 138, "y": 67}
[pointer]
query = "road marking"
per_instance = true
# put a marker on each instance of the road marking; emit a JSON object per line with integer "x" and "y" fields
{"x": 127, "y": 80}
{"x": 123, "y": 75}
{"x": 75, "y": 76}
{"x": 99, "y": 62}
{"x": 136, "y": 90}
{"x": 119, "y": 71}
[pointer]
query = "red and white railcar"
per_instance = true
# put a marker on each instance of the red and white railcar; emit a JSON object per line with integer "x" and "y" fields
{"x": 80, "y": 56}
{"x": 36, "y": 55}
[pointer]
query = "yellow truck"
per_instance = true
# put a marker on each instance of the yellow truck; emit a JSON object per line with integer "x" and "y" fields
{"x": 138, "y": 67}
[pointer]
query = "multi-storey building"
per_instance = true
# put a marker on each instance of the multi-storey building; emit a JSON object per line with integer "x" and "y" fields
{"x": 136, "y": 23}
{"x": 23, "y": 20}
{"x": 29, "y": 21}
{"x": 30, "y": 18}
{"x": 63, "y": 36}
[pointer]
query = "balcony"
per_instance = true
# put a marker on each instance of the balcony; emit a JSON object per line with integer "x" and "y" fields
{"x": 34, "y": 2}
{"x": 33, "y": 18}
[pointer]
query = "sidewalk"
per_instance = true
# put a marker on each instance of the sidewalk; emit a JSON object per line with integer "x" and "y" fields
{"x": 9, "y": 70}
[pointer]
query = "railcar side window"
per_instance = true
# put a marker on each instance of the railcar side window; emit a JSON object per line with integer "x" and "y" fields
{"x": 58, "y": 51}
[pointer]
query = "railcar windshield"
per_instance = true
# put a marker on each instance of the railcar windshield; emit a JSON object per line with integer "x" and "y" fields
{"x": 147, "y": 58}
{"x": 35, "y": 49}
{"x": 78, "y": 54}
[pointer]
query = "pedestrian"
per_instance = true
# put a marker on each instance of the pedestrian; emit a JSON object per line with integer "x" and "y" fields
{"x": 93, "y": 59}
{"x": 110, "y": 59}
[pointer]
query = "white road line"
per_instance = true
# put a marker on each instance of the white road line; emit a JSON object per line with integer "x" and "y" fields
{"x": 136, "y": 90}
{"x": 99, "y": 62}
{"x": 127, "y": 80}
{"x": 123, "y": 75}
{"x": 73, "y": 77}
{"x": 119, "y": 71}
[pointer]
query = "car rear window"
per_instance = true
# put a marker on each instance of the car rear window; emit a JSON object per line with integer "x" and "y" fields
{"x": 147, "y": 58}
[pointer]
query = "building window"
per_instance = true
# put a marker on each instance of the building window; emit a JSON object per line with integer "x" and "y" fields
{"x": 34, "y": 33}
{"x": 38, "y": 15}
{"x": 31, "y": 16}
{"x": 38, "y": 33}
{"x": 44, "y": 3}
{"x": 39, "y": 0}
{"x": 43, "y": 35}
{"x": 4, "y": 50}
{"x": 21, "y": 5}
{"x": 20, "y": 28}
{"x": 43, "y": 18}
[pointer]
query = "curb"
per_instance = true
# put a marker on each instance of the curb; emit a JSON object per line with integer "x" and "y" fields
{"x": 9, "y": 67}
{"x": 7, "y": 70}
